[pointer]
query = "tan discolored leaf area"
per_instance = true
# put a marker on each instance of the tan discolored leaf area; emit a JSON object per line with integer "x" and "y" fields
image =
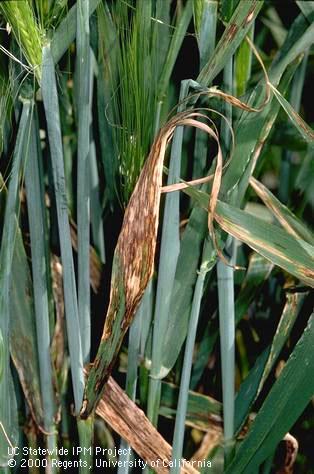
{"x": 133, "y": 262}
{"x": 131, "y": 423}
{"x": 134, "y": 255}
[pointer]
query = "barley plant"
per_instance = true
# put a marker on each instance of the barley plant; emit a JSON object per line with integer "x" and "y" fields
{"x": 156, "y": 252}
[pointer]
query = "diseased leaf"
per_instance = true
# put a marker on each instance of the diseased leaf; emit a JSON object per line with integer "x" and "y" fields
{"x": 236, "y": 29}
{"x": 293, "y": 255}
{"x": 286, "y": 218}
{"x": 134, "y": 255}
{"x": 306, "y": 131}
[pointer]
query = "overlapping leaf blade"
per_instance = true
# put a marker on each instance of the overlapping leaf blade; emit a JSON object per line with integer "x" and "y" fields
{"x": 286, "y": 401}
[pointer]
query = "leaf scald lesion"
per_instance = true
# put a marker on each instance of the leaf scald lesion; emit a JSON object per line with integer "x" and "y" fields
{"x": 135, "y": 251}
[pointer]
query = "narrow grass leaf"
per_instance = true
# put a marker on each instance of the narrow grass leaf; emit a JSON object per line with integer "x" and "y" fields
{"x": 306, "y": 132}
{"x": 174, "y": 47}
{"x": 305, "y": 178}
{"x": 23, "y": 338}
{"x": 285, "y": 403}
{"x": 9, "y": 423}
{"x": 300, "y": 37}
{"x": 254, "y": 382}
{"x": 161, "y": 33}
{"x": 35, "y": 207}
{"x": 293, "y": 255}
{"x": 307, "y": 8}
{"x": 8, "y": 420}
{"x": 183, "y": 289}
{"x": 107, "y": 76}
{"x": 179, "y": 431}
{"x": 66, "y": 31}
{"x": 95, "y": 205}
{"x": 286, "y": 218}
{"x": 202, "y": 411}
{"x": 169, "y": 252}
{"x": 251, "y": 132}
{"x": 50, "y": 98}
{"x": 83, "y": 71}
{"x": 22, "y": 326}
{"x": 205, "y": 14}
{"x": 286, "y": 162}
{"x": 237, "y": 28}
{"x": 259, "y": 270}
{"x": 274, "y": 24}
{"x": 227, "y": 344}
{"x": 257, "y": 273}
{"x": 225, "y": 283}
{"x": 291, "y": 311}
{"x": 243, "y": 63}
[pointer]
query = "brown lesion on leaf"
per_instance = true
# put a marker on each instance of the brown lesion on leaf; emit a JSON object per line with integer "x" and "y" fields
{"x": 308, "y": 273}
{"x": 58, "y": 341}
{"x": 134, "y": 255}
{"x": 231, "y": 32}
{"x": 135, "y": 251}
{"x": 130, "y": 422}
{"x": 112, "y": 311}
{"x": 250, "y": 16}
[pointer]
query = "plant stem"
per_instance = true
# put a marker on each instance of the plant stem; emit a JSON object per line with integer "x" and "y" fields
{"x": 226, "y": 304}
{"x": 225, "y": 275}
{"x": 131, "y": 378}
{"x": 86, "y": 435}
{"x": 169, "y": 252}
{"x": 83, "y": 185}
{"x": 227, "y": 342}
{"x": 51, "y": 105}
{"x": 178, "y": 437}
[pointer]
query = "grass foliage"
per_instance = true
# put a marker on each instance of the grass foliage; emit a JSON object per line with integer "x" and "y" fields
{"x": 156, "y": 175}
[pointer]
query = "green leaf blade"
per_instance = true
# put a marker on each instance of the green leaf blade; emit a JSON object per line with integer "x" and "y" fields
{"x": 50, "y": 98}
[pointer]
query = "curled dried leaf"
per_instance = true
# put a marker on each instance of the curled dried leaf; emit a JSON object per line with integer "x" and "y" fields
{"x": 133, "y": 262}
{"x": 230, "y": 99}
